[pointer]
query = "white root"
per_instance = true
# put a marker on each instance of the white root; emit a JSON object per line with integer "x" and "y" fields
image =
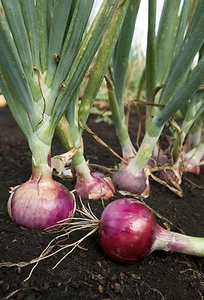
{"x": 87, "y": 221}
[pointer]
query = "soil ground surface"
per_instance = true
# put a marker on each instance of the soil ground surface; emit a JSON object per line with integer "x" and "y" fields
{"x": 88, "y": 273}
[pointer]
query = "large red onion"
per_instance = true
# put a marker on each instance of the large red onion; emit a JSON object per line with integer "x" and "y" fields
{"x": 128, "y": 232}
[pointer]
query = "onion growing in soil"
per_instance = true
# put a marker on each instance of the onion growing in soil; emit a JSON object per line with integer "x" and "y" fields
{"x": 40, "y": 202}
{"x": 128, "y": 182}
{"x": 94, "y": 186}
{"x": 40, "y": 82}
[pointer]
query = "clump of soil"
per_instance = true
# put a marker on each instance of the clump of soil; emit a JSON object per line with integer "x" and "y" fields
{"x": 87, "y": 273}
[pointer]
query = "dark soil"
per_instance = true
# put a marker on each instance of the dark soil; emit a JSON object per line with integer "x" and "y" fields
{"x": 87, "y": 273}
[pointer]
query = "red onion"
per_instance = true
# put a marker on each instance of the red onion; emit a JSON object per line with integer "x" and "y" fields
{"x": 189, "y": 164}
{"x": 40, "y": 203}
{"x": 128, "y": 232}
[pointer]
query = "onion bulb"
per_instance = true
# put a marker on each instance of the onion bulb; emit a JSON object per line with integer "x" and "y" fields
{"x": 128, "y": 232}
{"x": 94, "y": 186}
{"x": 128, "y": 182}
{"x": 40, "y": 203}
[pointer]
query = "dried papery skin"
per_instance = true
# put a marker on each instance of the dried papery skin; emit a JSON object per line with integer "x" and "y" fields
{"x": 40, "y": 203}
{"x": 169, "y": 175}
{"x": 94, "y": 187}
{"x": 59, "y": 162}
{"x": 166, "y": 171}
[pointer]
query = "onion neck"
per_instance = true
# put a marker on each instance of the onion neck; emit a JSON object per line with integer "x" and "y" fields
{"x": 41, "y": 159}
{"x": 42, "y": 171}
{"x": 81, "y": 166}
{"x": 173, "y": 241}
{"x": 128, "y": 151}
{"x": 144, "y": 153}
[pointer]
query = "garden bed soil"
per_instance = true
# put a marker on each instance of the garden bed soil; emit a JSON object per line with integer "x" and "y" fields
{"x": 88, "y": 273}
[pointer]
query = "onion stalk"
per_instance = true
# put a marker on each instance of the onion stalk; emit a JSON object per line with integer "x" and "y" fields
{"x": 90, "y": 184}
{"x": 180, "y": 82}
{"x": 47, "y": 51}
{"x": 137, "y": 184}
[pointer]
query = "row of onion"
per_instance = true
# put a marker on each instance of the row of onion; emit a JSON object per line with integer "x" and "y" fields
{"x": 45, "y": 62}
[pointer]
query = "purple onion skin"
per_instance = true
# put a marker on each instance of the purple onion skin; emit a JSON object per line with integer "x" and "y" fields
{"x": 159, "y": 159}
{"x": 40, "y": 204}
{"x": 126, "y": 230}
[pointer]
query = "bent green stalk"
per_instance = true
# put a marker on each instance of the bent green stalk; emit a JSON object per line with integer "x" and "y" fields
{"x": 118, "y": 115}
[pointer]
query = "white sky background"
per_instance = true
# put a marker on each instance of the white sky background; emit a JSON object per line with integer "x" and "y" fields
{"x": 140, "y": 35}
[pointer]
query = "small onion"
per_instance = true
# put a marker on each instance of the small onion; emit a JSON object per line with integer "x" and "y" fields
{"x": 127, "y": 182}
{"x": 94, "y": 186}
{"x": 190, "y": 165}
{"x": 40, "y": 203}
